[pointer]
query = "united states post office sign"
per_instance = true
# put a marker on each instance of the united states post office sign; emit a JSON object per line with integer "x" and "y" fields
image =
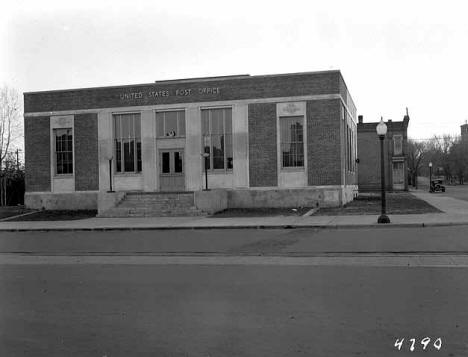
{"x": 179, "y": 92}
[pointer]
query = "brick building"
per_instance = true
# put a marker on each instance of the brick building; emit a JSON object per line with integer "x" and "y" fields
{"x": 464, "y": 132}
{"x": 274, "y": 140}
{"x": 395, "y": 154}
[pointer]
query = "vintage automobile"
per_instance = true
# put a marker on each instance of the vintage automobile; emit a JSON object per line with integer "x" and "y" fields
{"x": 436, "y": 186}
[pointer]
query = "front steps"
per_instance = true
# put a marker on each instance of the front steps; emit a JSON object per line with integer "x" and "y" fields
{"x": 155, "y": 204}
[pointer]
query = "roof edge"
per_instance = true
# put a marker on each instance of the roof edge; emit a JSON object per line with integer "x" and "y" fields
{"x": 195, "y": 79}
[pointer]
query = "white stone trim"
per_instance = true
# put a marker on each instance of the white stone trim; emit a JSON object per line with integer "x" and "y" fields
{"x": 294, "y": 177}
{"x": 61, "y": 183}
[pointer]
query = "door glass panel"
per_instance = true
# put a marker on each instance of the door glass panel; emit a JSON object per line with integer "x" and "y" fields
{"x": 129, "y": 155}
{"x": 166, "y": 163}
{"x": 178, "y": 163}
{"x": 218, "y": 151}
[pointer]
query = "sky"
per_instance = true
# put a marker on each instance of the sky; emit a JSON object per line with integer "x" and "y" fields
{"x": 392, "y": 54}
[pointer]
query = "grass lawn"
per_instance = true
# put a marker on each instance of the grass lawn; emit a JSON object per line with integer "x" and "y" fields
{"x": 10, "y": 211}
{"x": 56, "y": 215}
{"x": 366, "y": 203}
{"x": 369, "y": 203}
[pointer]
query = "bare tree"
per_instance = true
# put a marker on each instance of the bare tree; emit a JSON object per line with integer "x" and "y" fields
{"x": 10, "y": 129}
{"x": 438, "y": 152}
{"x": 10, "y": 123}
{"x": 416, "y": 153}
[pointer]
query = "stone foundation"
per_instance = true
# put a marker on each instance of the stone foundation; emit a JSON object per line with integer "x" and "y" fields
{"x": 61, "y": 201}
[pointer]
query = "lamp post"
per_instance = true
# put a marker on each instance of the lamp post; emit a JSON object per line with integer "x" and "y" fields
{"x": 430, "y": 177}
{"x": 206, "y": 156}
{"x": 381, "y": 132}
{"x": 110, "y": 174}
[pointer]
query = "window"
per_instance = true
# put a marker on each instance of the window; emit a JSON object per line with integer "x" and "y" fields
{"x": 170, "y": 123}
{"x": 63, "y": 151}
{"x": 127, "y": 132}
{"x": 217, "y": 137}
{"x": 292, "y": 141}
{"x": 397, "y": 145}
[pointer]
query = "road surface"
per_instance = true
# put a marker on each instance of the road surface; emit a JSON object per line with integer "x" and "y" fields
{"x": 251, "y": 294}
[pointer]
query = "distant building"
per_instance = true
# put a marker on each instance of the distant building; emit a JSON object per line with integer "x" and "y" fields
{"x": 464, "y": 132}
{"x": 395, "y": 153}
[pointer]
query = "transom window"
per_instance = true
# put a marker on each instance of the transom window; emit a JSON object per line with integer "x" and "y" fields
{"x": 217, "y": 137}
{"x": 170, "y": 123}
{"x": 292, "y": 141}
{"x": 127, "y": 133}
{"x": 63, "y": 151}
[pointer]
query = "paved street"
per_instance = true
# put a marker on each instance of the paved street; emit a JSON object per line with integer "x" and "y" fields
{"x": 300, "y": 292}
{"x": 240, "y": 241}
{"x": 149, "y": 309}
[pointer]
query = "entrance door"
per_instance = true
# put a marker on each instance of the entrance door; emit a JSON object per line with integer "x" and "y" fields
{"x": 398, "y": 175}
{"x": 171, "y": 170}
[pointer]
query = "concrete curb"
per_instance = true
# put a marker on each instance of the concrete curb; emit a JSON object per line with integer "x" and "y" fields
{"x": 199, "y": 227}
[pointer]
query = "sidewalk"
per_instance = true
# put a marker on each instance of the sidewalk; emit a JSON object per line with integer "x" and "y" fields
{"x": 455, "y": 213}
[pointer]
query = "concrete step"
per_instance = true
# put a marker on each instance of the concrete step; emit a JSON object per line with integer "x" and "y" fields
{"x": 123, "y": 212}
{"x": 155, "y": 204}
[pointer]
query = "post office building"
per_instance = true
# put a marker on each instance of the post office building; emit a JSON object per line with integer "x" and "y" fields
{"x": 284, "y": 140}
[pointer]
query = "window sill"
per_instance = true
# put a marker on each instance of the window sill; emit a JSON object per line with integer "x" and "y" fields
{"x": 219, "y": 172}
{"x": 170, "y": 137}
{"x": 127, "y": 174}
{"x": 293, "y": 169}
{"x": 64, "y": 176}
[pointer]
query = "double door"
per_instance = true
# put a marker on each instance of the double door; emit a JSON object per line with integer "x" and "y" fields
{"x": 171, "y": 170}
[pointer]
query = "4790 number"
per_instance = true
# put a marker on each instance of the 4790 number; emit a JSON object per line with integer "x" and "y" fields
{"x": 425, "y": 342}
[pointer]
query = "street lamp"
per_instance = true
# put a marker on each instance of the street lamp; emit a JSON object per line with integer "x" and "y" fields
{"x": 206, "y": 156}
{"x": 381, "y": 132}
{"x": 430, "y": 177}
{"x": 110, "y": 174}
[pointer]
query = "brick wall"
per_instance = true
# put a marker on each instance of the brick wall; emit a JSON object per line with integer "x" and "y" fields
{"x": 323, "y": 142}
{"x": 86, "y": 152}
{"x": 37, "y": 154}
{"x": 263, "y": 169}
{"x": 314, "y": 83}
{"x": 369, "y": 161}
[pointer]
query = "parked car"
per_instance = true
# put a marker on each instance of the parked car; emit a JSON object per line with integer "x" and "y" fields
{"x": 436, "y": 186}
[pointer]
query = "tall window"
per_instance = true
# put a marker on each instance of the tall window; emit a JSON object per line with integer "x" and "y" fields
{"x": 397, "y": 145}
{"x": 292, "y": 141}
{"x": 127, "y": 132}
{"x": 217, "y": 137}
{"x": 170, "y": 123}
{"x": 63, "y": 151}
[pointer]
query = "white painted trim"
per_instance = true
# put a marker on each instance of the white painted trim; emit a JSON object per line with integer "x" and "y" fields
{"x": 61, "y": 122}
{"x": 299, "y": 110}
